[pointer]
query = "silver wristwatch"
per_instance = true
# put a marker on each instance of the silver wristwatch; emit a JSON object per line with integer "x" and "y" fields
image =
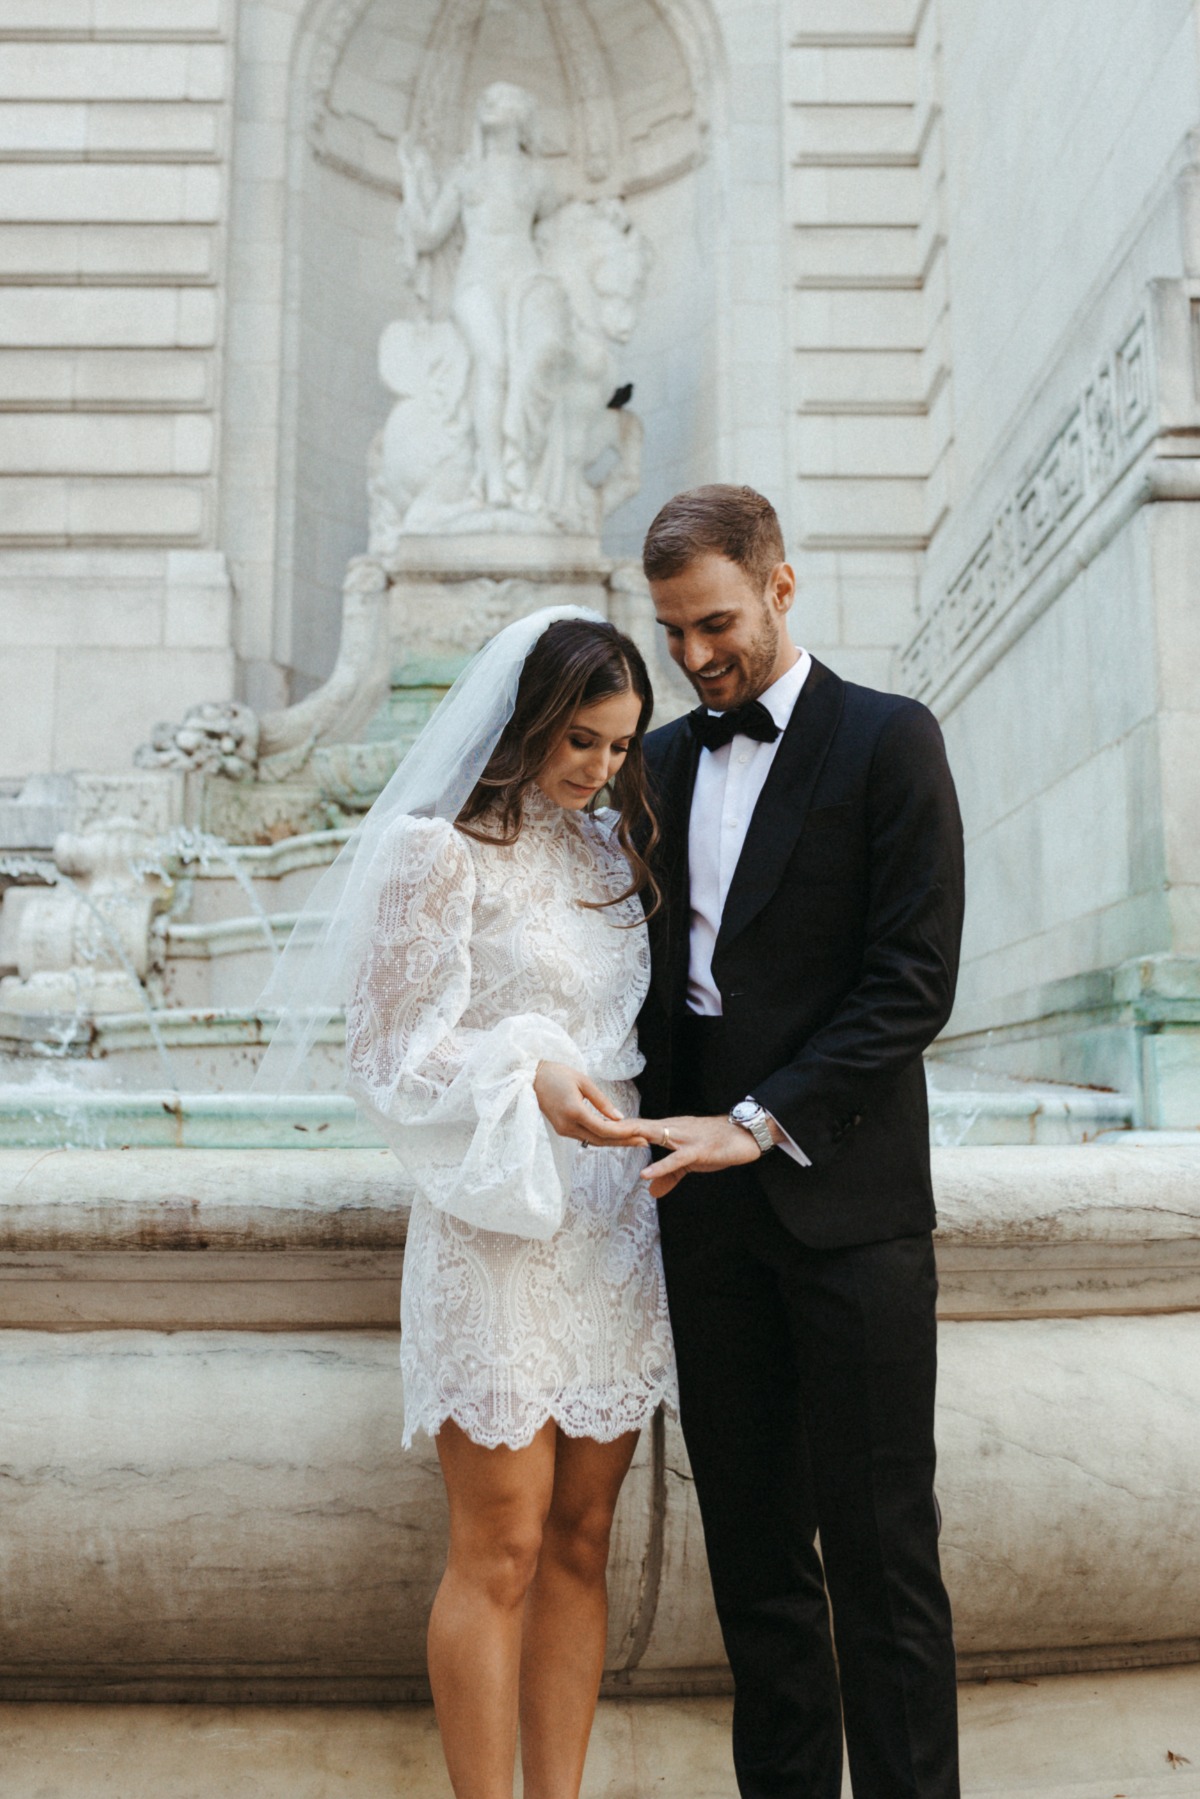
{"x": 750, "y": 1115}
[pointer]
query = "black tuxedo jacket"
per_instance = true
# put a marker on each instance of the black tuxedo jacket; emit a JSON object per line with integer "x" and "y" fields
{"x": 836, "y": 957}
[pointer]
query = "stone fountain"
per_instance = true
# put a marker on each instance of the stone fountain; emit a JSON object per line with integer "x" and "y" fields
{"x": 148, "y": 932}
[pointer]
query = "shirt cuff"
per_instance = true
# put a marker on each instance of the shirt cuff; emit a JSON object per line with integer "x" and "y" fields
{"x": 786, "y": 1144}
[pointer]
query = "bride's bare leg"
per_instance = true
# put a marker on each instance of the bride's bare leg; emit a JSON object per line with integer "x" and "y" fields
{"x": 566, "y": 1615}
{"x": 499, "y": 1500}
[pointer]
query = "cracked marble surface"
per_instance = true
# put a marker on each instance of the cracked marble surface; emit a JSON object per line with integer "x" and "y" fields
{"x": 202, "y": 1514}
{"x": 1069, "y": 1454}
{"x": 216, "y": 1509}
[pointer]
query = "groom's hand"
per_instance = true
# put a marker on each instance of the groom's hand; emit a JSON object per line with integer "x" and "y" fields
{"x": 695, "y": 1146}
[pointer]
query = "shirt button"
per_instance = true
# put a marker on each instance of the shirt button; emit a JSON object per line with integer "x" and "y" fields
{"x": 743, "y": 755}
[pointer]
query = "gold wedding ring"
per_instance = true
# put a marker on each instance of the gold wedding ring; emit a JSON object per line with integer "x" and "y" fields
{"x": 666, "y": 1139}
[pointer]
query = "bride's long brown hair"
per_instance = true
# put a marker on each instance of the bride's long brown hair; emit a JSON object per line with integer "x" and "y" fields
{"x": 576, "y": 662}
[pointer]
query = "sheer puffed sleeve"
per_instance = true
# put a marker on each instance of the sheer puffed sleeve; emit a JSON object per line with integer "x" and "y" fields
{"x": 455, "y": 1101}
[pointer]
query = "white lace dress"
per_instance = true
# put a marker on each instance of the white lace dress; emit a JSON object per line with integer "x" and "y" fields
{"x": 533, "y": 1284}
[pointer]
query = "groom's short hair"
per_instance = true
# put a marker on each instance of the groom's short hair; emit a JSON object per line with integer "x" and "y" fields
{"x": 735, "y": 522}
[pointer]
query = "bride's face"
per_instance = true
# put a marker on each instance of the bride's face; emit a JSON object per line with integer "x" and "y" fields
{"x": 590, "y": 751}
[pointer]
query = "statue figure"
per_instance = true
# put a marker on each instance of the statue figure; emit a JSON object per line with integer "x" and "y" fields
{"x": 498, "y": 193}
{"x": 499, "y": 415}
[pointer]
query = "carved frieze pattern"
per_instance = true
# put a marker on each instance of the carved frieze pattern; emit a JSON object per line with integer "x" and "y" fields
{"x": 1110, "y": 422}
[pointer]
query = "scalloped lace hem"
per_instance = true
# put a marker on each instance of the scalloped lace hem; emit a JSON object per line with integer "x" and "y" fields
{"x": 630, "y": 1410}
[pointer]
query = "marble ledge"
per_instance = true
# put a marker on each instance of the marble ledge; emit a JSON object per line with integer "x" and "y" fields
{"x": 273, "y": 1240}
{"x": 209, "y": 1200}
{"x": 994, "y": 1196}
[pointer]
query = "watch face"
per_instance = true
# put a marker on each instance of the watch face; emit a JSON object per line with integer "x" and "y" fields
{"x": 744, "y": 1111}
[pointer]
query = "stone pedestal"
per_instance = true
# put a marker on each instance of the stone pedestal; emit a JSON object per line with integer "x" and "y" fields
{"x": 448, "y": 596}
{"x": 1162, "y": 994}
{"x": 1133, "y": 1030}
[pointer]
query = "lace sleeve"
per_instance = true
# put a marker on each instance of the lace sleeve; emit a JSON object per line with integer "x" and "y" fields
{"x": 455, "y": 1104}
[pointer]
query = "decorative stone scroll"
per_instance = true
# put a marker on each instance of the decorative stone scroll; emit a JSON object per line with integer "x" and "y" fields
{"x": 1105, "y": 429}
{"x": 224, "y": 737}
{"x": 217, "y": 737}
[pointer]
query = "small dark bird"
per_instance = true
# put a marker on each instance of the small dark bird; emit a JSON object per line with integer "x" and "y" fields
{"x": 621, "y": 397}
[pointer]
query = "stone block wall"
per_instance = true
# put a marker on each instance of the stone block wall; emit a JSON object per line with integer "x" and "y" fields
{"x": 870, "y": 397}
{"x": 1064, "y": 820}
{"x": 709, "y": 359}
{"x": 1082, "y": 835}
{"x": 114, "y": 603}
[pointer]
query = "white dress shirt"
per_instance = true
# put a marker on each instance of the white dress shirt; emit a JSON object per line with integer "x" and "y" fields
{"x": 728, "y": 783}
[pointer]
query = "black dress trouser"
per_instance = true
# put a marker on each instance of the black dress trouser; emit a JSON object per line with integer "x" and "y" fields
{"x": 807, "y": 1389}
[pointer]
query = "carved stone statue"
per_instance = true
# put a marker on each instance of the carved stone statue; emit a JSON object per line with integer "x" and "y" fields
{"x": 502, "y": 421}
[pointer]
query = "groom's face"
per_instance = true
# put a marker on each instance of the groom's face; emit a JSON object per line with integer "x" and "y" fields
{"x": 728, "y": 636}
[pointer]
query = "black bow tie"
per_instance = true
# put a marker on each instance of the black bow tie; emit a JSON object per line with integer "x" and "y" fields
{"x": 716, "y": 729}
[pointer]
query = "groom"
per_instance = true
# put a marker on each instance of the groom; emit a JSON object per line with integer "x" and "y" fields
{"x": 804, "y": 956}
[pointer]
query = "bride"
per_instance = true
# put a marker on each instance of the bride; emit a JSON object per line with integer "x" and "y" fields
{"x": 494, "y": 945}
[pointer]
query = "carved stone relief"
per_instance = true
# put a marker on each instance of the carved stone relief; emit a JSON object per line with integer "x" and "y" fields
{"x": 84, "y": 943}
{"x": 1104, "y": 431}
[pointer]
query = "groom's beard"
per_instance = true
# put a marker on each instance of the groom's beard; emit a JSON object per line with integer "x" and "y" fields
{"x": 753, "y": 668}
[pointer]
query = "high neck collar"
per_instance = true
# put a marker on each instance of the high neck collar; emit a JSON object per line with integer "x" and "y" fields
{"x": 538, "y": 809}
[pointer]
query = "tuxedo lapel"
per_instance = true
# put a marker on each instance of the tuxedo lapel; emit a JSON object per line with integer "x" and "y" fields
{"x": 673, "y": 784}
{"x": 784, "y": 801}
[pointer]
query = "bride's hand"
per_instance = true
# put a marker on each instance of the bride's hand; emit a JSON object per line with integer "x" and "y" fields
{"x": 574, "y": 1106}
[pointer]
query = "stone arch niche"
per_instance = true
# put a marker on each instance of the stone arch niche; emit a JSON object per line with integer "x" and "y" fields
{"x": 625, "y": 91}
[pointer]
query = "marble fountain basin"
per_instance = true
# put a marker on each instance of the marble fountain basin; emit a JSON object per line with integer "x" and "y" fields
{"x": 75, "y": 1109}
{"x": 200, "y": 1414}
